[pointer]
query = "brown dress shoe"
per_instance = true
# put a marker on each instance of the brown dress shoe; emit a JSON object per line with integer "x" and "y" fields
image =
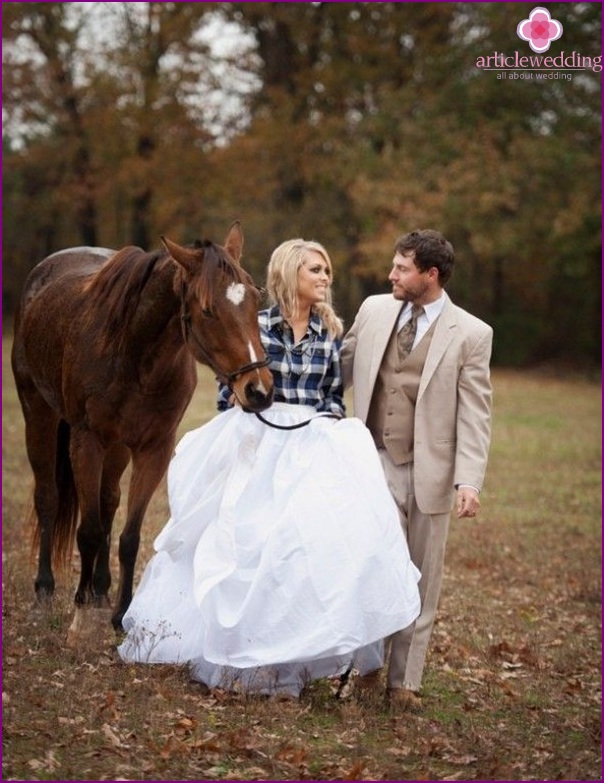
{"x": 404, "y": 700}
{"x": 368, "y": 688}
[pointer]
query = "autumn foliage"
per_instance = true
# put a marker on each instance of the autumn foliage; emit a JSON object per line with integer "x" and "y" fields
{"x": 349, "y": 123}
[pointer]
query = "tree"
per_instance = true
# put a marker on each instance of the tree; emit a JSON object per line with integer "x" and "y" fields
{"x": 155, "y": 60}
{"x": 42, "y": 92}
{"x": 344, "y": 122}
{"x": 416, "y": 135}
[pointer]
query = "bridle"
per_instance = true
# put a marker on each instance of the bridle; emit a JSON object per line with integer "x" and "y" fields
{"x": 187, "y": 331}
{"x": 230, "y": 377}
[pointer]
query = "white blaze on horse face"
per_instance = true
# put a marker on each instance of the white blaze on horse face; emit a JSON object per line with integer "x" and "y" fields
{"x": 236, "y": 293}
{"x": 253, "y": 359}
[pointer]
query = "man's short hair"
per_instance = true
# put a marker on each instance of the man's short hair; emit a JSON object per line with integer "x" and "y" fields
{"x": 431, "y": 250}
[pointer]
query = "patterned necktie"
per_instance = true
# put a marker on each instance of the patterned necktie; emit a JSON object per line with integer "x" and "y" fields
{"x": 406, "y": 336}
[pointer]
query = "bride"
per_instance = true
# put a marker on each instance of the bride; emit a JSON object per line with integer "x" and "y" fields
{"x": 283, "y": 559}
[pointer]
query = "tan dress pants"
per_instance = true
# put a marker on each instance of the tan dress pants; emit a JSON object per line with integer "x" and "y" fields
{"x": 426, "y": 536}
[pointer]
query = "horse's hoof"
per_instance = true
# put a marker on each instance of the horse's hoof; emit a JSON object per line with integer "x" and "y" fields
{"x": 44, "y": 595}
{"x": 78, "y": 629}
{"x": 88, "y": 624}
{"x": 116, "y": 622}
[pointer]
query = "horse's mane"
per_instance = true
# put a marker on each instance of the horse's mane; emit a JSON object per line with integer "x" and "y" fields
{"x": 117, "y": 287}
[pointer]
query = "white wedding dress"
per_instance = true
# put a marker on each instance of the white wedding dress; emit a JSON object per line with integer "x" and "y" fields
{"x": 283, "y": 559}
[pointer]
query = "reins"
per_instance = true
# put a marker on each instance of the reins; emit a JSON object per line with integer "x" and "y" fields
{"x": 299, "y": 425}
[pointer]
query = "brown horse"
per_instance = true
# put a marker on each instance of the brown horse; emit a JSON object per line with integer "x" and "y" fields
{"x": 104, "y": 361}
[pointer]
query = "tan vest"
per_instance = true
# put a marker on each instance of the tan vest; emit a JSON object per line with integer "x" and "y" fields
{"x": 392, "y": 411}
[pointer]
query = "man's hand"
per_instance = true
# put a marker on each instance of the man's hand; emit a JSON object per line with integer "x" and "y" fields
{"x": 468, "y": 503}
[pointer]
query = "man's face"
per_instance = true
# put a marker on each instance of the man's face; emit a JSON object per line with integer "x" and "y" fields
{"x": 409, "y": 282}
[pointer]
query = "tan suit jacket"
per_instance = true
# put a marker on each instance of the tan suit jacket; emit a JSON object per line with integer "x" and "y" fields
{"x": 453, "y": 409}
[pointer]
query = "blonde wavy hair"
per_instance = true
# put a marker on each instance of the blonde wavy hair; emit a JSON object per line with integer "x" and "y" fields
{"x": 282, "y": 282}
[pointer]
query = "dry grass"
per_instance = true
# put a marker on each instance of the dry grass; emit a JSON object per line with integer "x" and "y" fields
{"x": 513, "y": 684}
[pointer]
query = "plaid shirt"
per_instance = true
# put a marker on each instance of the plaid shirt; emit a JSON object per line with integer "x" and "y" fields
{"x": 308, "y": 373}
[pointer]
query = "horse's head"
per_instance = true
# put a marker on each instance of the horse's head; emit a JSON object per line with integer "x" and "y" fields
{"x": 220, "y": 316}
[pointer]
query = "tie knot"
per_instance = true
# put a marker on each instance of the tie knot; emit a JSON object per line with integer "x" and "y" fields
{"x": 416, "y": 311}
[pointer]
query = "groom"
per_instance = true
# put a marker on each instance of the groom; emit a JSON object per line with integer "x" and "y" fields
{"x": 419, "y": 366}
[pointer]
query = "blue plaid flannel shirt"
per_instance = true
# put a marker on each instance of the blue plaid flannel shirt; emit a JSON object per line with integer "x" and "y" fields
{"x": 308, "y": 373}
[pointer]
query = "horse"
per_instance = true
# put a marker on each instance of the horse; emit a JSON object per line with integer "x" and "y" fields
{"x": 104, "y": 359}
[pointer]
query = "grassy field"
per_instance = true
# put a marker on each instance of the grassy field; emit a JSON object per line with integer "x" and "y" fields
{"x": 513, "y": 686}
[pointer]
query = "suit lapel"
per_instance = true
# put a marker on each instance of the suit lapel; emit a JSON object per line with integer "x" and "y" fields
{"x": 441, "y": 339}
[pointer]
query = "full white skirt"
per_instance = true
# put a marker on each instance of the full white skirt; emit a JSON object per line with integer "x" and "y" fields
{"x": 283, "y": 559}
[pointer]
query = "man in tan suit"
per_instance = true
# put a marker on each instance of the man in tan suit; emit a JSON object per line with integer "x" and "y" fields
{"x": 419, "y": 367}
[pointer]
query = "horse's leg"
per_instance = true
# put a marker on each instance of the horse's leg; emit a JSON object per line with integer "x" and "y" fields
{"x": 148, "y": 468}
{"x": 87, "y": 457}
{"x": 41, "y": 426}
{"x": 116, "y": 461}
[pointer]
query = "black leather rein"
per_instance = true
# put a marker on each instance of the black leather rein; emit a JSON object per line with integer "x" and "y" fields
{"x": 299, "y": 425}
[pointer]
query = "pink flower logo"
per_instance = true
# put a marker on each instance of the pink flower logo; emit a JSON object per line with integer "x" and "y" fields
{"x": 539, "y": 29}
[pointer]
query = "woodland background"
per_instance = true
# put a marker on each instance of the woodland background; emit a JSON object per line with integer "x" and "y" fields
{"x": 349, "y": 123}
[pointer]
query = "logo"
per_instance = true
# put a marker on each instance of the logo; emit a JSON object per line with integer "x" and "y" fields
{"x": 539, "y": 30}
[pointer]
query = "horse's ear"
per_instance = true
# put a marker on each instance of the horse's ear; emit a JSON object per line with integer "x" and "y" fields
{"x": 234, "y": 241}
{"x": 182, "y": 255}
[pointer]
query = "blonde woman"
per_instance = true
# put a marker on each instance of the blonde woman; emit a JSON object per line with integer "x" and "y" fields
{"x": 283, "y": 560}
{"x": 301, "y": 332}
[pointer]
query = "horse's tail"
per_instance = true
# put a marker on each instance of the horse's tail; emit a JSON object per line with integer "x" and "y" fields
{"x": 66, "y": 521}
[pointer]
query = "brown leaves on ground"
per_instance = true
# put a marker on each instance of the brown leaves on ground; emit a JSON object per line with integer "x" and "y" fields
{"x": 512, "y": 690}
{"x": 506, "y": 708}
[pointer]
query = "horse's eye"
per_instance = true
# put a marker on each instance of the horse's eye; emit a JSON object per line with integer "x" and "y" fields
{"x": 207, "y": 312}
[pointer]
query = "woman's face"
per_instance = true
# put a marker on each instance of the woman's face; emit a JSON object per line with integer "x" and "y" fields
{"x": 314, "y": 279}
